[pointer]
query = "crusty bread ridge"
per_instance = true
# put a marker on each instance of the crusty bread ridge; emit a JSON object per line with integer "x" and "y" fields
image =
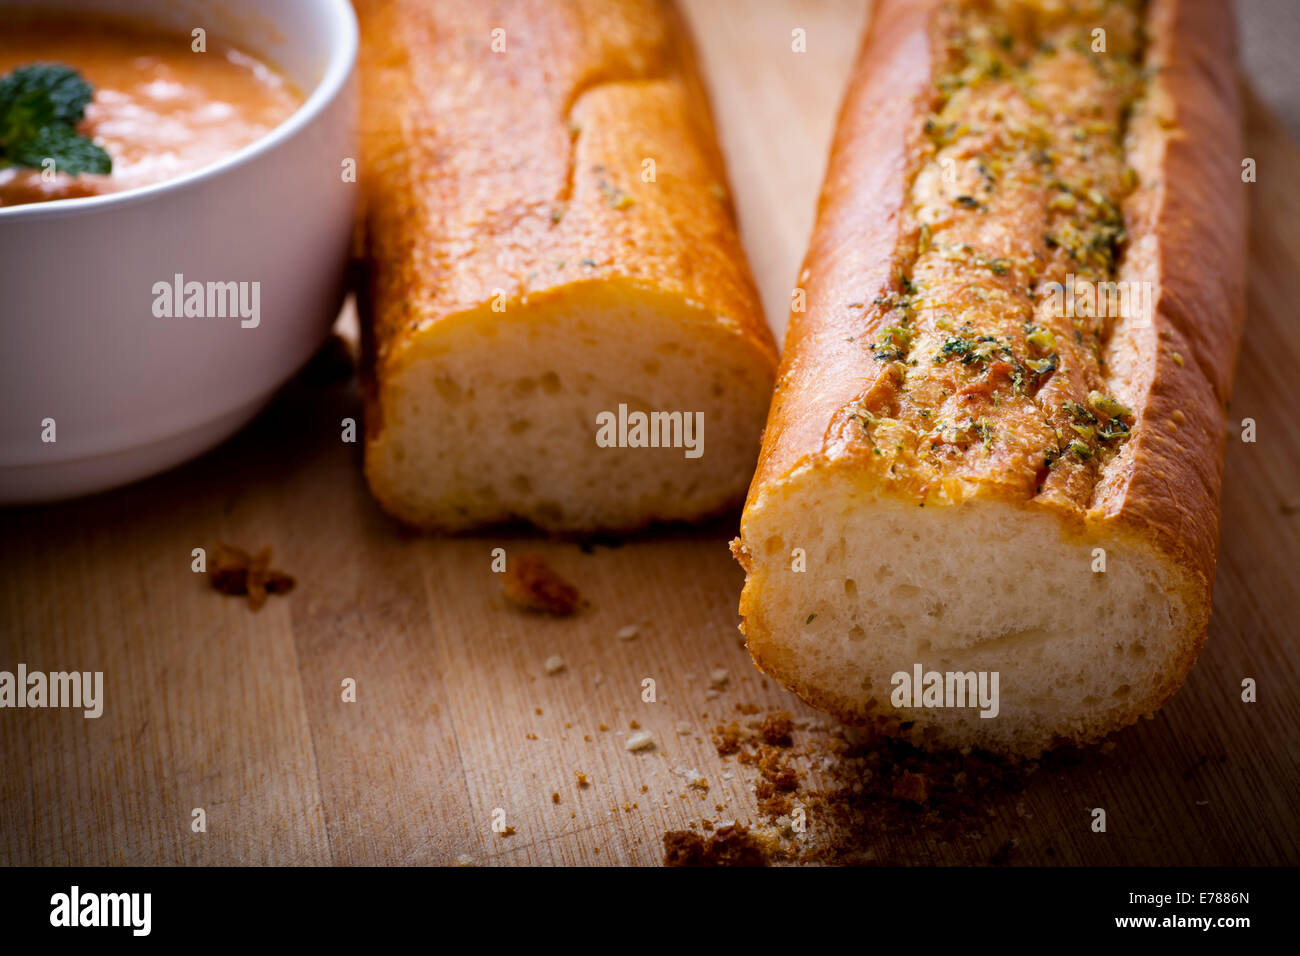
{"x": 525, "y": 277}
{"x": 947, "y": 452}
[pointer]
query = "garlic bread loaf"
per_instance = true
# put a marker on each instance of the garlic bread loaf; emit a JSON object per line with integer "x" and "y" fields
{"x": 561, "y": 326}
{"x": 994, "y": 453}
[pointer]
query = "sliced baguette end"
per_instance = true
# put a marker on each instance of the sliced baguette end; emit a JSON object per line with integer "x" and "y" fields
{"x": 491, "y": 417}
{"x": 1079, "y": 653}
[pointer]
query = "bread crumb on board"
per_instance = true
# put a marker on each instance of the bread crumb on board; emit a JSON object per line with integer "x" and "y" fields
{"x": 530, "y": 583}
{"x": 731, "y": 845}
{"x": 911, "y": 786}
{"x": 628, "y": 633}
{"x": 776, "y": 729}
{"x": 554, "y": 664}
{"x": 641, "y": 740}
{"x": 837, "y": 795}
{"x": 233, "y": 571}
{"x": 693, "y": 778}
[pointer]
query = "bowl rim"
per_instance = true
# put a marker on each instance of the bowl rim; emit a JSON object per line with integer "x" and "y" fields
{"x": 338, "y": 71}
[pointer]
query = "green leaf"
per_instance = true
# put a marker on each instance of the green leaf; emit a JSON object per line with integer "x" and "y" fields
{"x": 40, "y": 106}
{"x": 72, "y": 153}
{"x": 62, "y": 87}
{"x": 24, "y": 118}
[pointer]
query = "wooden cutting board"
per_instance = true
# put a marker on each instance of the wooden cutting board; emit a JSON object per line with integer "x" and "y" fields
{"x": 211, "y": 706}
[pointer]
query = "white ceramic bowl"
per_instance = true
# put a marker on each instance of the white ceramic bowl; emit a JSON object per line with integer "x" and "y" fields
{"x": 131, "y": 394}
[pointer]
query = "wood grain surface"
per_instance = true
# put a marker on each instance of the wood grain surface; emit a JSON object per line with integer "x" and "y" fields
{"x": 211, "y": 705}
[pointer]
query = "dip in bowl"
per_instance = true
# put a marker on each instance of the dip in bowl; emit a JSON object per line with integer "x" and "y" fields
{"x": 150, "y": 311}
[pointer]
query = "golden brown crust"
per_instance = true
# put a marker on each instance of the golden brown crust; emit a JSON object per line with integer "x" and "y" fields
{"x": 515, "y": 173}
{"x": 1190, "y": 231}
{"x": 1186, "y": 228}
{"x": 853, "y": 247}
{"x": 1157, "y": 490}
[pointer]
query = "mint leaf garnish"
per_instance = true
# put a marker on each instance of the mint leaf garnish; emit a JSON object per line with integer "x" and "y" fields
{"x": 72, "y": 153}
{"x": 40, "y": 106}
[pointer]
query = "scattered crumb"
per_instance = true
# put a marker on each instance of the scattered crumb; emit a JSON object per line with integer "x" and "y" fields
{"x": 530, "y": 583}
{"x": 508, "y": 831}
{"x": 628, "y": 633}
{"x": 464, "y": 860}
{"x": 683, "y": 727}
{"x": 726, "y": 739}
{"x": 911, "y": 786}
{"x": 693, "y": 778}
{"x": 863, "y": 794}
{"x": 778, "y": 776}
{"x": 555, "y": 798}
{"x": 718, "y": 677}
{"x": 554, "y": 664}
{"x": 731, "y": 845}
{"x": 583, "y": 782}
{"x": 232, "y": 571}
{"x": 711, "y": 693}
{"x": 641, "y": 740}
{"x": 776, "y": 729}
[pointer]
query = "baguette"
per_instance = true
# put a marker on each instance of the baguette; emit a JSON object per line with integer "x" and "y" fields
{"x": 554, "y": 269}
{"x": 986, "y": 471}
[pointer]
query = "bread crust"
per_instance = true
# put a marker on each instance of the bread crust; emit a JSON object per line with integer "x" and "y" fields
{"x": 1167, "y": 486}
{"x": 1186, "y": 227}
{"x": 500, "y": 177}
{"x": 855, "y": 237}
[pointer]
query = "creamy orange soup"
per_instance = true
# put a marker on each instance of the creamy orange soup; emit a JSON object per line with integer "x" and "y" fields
{"x": 160, "y": 109}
